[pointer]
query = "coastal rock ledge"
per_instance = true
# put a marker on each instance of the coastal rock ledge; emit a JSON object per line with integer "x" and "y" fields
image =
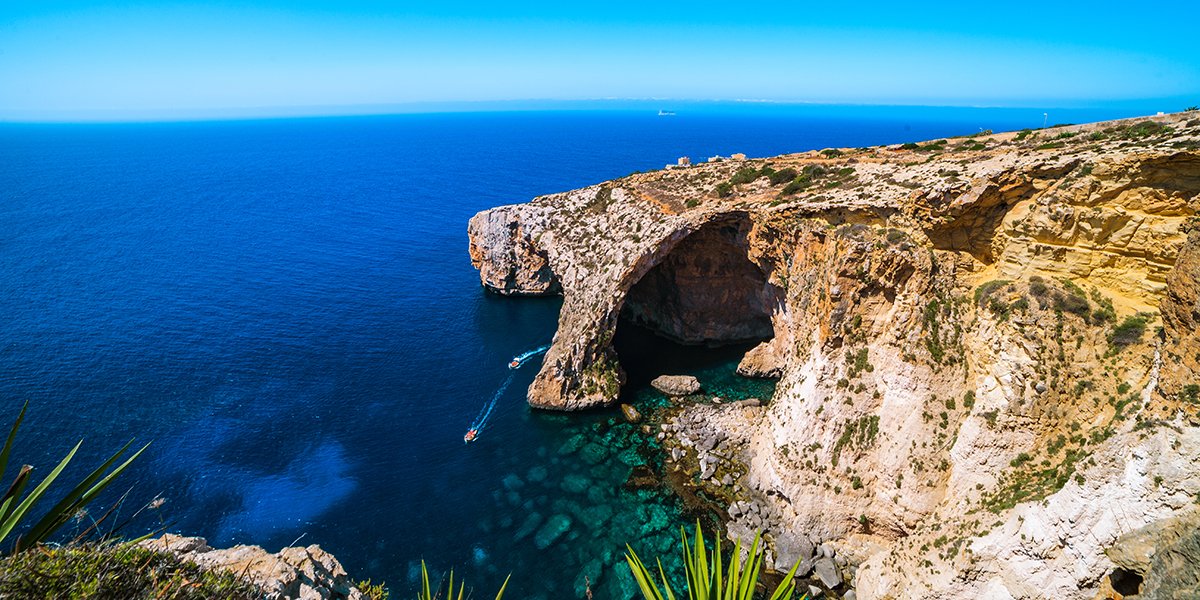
{"x": 293, "y": 573}
{"x": 987, "y": 347}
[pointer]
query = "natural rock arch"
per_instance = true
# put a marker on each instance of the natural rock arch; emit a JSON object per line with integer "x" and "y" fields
{"x": 705, "y": 290}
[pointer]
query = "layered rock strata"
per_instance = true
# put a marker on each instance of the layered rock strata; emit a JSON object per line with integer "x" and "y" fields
{"x": 986, "y": 347}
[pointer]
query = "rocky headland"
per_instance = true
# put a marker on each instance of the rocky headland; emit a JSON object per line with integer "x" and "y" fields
{"x": 987, "y": 349}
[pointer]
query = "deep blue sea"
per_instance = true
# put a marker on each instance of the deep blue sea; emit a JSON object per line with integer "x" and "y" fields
{"x": 286, "y": 309}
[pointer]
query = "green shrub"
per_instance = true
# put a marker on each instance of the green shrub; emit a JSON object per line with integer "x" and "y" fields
{"x": 782, "y": 175}
{"x": 1190, "y": 393}
{"x": 745, "y": 175}
{"x": 724, "y": 189}
{"x": 1037, "y": 286}
{"x": 986, "y": 289}
{"x": 1129, "y": 332}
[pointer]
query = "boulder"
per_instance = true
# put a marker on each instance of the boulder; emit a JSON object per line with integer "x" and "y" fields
{"x": 826, "y": 570}
{"x": 631, "y": 414}
{"x": 676, "y": 385}
{"x": 761, "y": 361}
{"x": 789, "y": 549}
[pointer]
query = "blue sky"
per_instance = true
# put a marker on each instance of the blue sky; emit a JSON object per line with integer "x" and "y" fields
{"x": 85, "y": 59}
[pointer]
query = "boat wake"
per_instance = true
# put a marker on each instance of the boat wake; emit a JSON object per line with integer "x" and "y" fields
{"x": 486, "y": 412}
{"x": 520, "y": 359}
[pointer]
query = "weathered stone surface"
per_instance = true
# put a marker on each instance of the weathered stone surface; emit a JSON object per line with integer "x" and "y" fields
{"x": 676, "y": 385}
{"x": 292, "y": 573}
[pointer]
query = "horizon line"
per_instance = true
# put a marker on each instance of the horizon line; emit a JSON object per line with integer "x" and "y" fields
{"x": 243, "y": 113}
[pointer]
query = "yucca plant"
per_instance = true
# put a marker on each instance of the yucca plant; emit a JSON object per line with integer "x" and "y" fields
{"x": 435, "y": 593}
{"x": 706, "y": 576}
{"x": 14, "y": 509}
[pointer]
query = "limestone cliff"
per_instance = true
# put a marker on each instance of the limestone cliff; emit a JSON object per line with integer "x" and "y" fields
{"x": 977, "y": 392}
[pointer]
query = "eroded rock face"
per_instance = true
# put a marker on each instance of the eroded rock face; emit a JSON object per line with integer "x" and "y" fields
{"x": 504, "y": 247}
{"x": 969, "y": 403}
{"x": 293, "y": 573}
{"x": 706, "y": 290}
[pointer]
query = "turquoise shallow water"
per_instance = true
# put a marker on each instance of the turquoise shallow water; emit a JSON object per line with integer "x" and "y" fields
{"x": 287, "y": 310}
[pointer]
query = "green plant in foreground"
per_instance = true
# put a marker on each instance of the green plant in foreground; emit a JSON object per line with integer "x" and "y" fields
{"x": 14, "y": 511}
{"x": 115, "y": 570}
{"x": 435, "y": 593}
{"x": 706, "y": 577}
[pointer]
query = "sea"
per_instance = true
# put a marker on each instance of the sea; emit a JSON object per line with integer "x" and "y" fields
{"x": 285, "y": 310}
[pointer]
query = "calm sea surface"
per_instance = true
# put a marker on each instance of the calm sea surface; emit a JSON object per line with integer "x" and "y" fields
{"x": 287, "y": 310}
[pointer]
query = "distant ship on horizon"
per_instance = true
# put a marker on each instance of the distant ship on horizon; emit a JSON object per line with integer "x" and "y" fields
{"x": 666, "y": 113}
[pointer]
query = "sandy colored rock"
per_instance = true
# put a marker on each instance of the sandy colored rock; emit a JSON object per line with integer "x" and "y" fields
{"x": 293, "y": 573}
{"x": 676, "y": 385}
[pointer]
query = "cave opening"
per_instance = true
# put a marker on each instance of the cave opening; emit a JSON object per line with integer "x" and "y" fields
{"x": 698, "y": 311}
{"x": 1125, "y": 582}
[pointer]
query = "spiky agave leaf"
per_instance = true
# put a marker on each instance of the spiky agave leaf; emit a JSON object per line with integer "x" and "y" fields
{"x": 708, "y": 577}
{"x": 82, "y": 494}
{"x": 503, "y": 586}
{"x": 12, "y": 435}
{"x": 643, "y": 577}
{"x": 18, "y": 514}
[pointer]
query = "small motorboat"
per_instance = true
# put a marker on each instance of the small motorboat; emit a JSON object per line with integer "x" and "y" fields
{"x": 470, "y": 437}
{"x": 516, "y": 362}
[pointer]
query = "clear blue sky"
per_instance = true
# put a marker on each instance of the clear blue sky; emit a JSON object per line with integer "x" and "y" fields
{"x": 83, "y": 58}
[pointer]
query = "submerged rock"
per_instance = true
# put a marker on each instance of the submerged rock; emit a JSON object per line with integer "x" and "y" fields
{"x": 676, "y": 385}
{"x": 554, "y": 528}
{"x": 528, "y": 527}
{"x": 575, "y": 484}
{"x": 593, "y": 454}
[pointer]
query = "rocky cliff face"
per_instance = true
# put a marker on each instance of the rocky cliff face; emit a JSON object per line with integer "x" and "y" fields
{"x": 987, "y": 347}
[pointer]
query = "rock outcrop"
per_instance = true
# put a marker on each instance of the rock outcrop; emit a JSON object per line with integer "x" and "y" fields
{"x": 293, "y": 573}
{"x": 676, "y": 385}
{"x": 977, "y": 395}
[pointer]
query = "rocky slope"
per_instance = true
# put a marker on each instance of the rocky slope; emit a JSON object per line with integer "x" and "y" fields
{"x": 986, "y": 347}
